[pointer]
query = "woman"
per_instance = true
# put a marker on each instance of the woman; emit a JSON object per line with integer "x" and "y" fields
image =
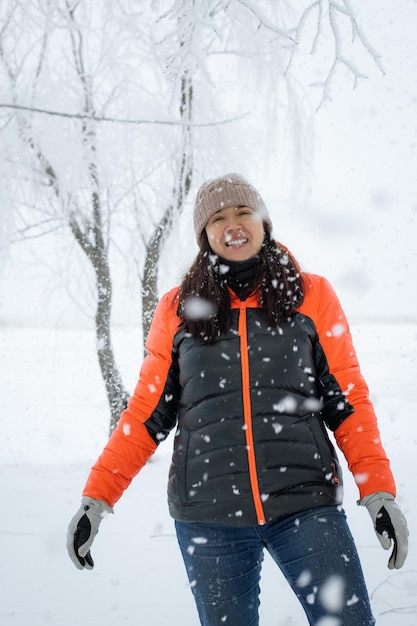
{"x": 252, "y": 361}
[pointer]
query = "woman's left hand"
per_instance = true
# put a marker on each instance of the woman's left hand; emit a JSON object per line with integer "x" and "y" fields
{"x": 390, "y": 525}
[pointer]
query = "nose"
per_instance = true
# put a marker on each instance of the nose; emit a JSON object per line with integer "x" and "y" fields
{"x": 233, "y": 222}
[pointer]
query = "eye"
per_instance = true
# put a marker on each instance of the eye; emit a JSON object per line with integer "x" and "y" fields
{"x": 245, "y": 211}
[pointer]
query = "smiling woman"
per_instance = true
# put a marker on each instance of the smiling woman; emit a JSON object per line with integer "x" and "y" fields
{"x": 252, "y": 362}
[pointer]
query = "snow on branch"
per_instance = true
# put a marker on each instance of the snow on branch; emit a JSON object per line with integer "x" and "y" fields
{"x": 329, "y": 15}
{"x": 185, "y": 54}
{"x": 264, "y": 21}
{"x": 357, "y": 31}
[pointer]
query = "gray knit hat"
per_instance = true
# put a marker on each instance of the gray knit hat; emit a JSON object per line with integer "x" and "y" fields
{"x": 220, "y": 193}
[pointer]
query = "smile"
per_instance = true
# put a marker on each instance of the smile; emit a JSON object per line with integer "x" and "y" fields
{"x": 236, "y": 242}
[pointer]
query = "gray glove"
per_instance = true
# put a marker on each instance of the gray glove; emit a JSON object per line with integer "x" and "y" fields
{"x": 82, "y": 530}
{"x": 390, "y": 525}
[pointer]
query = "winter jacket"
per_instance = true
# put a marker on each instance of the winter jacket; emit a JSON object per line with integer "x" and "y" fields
{"x": 252, "y": 413}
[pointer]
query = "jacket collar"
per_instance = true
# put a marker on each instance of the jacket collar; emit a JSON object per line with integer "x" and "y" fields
{"x": 251, "y": 301}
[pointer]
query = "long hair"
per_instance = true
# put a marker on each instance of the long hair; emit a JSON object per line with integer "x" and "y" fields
{"x": 277, "y": 281}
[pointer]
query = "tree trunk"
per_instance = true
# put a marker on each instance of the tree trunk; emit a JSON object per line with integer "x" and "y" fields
{"x": 153, "y": 250}
{"x": 92, "y": 243}
{"x": 116, "y": 394}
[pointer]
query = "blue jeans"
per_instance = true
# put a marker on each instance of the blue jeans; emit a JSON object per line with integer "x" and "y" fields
{"x": 314, "y": 550}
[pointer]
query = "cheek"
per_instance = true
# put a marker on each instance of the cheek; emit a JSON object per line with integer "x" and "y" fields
{"x": 212, "y": 235}
{"x": 258, "y": 237}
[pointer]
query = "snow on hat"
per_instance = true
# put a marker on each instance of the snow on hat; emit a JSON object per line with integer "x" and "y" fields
{"x": 225, "y": 191}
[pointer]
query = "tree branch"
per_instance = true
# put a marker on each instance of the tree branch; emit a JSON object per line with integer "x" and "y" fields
{"x": 334, "y": 10}
{"x": 264, "y": 21}
{"x": 115, "y": 120}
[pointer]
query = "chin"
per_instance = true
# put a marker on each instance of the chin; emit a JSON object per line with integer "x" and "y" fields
{"x": 237, "y": 255}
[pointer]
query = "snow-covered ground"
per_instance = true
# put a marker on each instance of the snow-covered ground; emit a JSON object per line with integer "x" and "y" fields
{"x": 53, "y": 422}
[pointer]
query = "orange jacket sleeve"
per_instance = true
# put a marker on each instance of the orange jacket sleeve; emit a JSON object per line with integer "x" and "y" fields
{"x": 358, "y": 436}
{"x": 131, "y": 445}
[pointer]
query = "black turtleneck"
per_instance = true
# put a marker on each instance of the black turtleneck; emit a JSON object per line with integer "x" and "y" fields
{"x": 239, "y": 275}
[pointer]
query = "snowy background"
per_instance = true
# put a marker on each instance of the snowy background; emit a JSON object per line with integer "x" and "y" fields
{"x": 54, "y": 422}
{"x": 357, "y": 225}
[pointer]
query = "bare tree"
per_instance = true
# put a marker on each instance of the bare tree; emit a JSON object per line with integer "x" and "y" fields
{"x": 88, "y": 207}
{"x": 136, "y": 94}
{"x": 87, "y": 222}
{"x": 91, "y": 236}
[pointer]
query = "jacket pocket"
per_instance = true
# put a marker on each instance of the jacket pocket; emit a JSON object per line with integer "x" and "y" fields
{"x": 180, "y": 461}
{"x": 330, "y": 462}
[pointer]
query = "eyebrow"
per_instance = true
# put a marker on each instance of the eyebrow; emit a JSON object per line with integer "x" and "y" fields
{"x": 238, "y": 206}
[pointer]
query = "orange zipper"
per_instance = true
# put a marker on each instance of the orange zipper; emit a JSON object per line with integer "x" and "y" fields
{"x": 247, "y": 415}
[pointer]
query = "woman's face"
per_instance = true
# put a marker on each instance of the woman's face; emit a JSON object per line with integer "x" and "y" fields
{"x": 235, "y": 233}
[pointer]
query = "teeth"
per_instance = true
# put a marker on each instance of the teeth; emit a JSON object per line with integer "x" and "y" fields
{"x": 236, "y": 242}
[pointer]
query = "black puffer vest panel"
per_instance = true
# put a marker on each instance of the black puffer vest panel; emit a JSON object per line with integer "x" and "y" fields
{"x": 251, "y": 443}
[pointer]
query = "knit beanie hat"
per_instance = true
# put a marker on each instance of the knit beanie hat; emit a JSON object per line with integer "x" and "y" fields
{"x": 225, "y": 191}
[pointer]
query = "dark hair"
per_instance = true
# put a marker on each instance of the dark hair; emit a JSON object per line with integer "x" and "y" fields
{"x": 277, "y": 280}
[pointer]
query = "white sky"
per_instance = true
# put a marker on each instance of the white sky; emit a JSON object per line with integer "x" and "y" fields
{"x": 359, "y": 225}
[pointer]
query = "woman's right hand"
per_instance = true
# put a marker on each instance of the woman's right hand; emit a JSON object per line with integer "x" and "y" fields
{"x": 82, "y": 530}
